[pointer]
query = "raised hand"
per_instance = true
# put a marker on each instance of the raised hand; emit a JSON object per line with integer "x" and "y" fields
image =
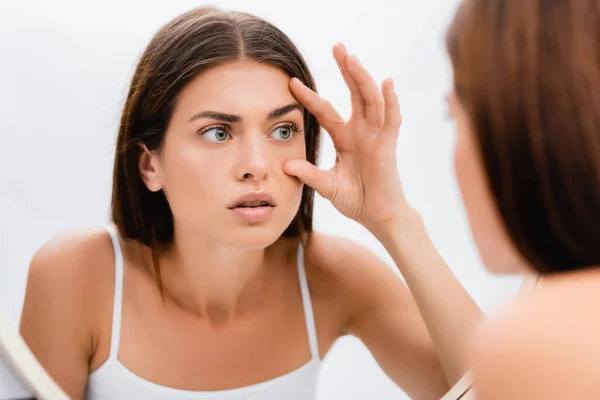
{"x": 364, "y": 184}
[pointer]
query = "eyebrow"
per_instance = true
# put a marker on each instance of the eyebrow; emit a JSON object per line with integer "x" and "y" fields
{"x": 235, "y": 118}
{"x": 281, "y": 111}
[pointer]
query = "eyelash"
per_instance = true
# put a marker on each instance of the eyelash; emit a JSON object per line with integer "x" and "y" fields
{"x": 294, "y": 128}
{"x": 210, "y": 128}
{"x": 227, "y": 129}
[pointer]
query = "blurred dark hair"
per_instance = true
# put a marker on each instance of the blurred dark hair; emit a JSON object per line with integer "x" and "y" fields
{"x": 528, "y": 74}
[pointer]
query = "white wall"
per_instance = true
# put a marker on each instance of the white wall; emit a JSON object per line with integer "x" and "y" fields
{"x": 64, "y": 72}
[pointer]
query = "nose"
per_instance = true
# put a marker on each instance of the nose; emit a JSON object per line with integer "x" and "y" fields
{"x": 253, "y": 161}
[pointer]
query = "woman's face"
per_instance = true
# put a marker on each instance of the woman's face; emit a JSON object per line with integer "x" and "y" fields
{"x": 232, "y": 129}
{"x": 495, "y": 246}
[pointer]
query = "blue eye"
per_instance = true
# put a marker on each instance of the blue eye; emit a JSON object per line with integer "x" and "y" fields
{"x": 284, "y": 132}
{"x": 217, "y": 134}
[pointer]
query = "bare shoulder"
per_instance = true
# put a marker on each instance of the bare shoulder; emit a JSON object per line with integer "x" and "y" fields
{"x": 360, "y": 280}
{"x": 545, "y": 344}
{"x": 74, "y": 261}
{"x": 346, "y": 262}
{"x": 328, "y": 250}
{"x": 69, "y": 286}
{"x": 72, "y": 271}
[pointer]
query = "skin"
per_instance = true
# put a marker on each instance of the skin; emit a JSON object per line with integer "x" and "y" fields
{"x": 200, "y": 154}
{"x": 225, "y": 279}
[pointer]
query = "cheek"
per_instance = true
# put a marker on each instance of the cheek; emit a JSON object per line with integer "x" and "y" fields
{"x": 292, "y": 186}
{"x": 187, "y": 166}
{"x": 190, "y": 173}
{"x": 495, "y": 247}
{"x": 288, "y": 187}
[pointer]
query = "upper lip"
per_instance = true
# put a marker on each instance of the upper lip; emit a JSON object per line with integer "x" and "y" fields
{"x": 252, "y": 196}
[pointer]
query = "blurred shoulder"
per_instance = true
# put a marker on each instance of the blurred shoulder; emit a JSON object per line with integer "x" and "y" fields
{"x": 544, "y": 344}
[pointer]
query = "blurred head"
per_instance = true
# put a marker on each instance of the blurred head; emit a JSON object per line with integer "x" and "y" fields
{"x": 526, "y": 100}
{"x": 209, "y": 118}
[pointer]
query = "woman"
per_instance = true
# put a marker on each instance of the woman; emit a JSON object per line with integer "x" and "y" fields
{"x": 211, "y": 282}
{"x": 526, "y": 101}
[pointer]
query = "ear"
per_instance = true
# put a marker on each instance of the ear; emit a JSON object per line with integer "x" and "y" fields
{"x": 149, "y": 167}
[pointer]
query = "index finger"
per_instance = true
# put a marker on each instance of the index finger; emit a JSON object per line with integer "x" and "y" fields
{"x": 322, "y": 109}
{"x": 340, "y": 55}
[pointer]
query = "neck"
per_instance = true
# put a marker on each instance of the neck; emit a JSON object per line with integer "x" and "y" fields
{"x": 212, "y": 280}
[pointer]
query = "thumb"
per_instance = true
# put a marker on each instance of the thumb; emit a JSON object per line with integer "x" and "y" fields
{"x": 309, "y": 174}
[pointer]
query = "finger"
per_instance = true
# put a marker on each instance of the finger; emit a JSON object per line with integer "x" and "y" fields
{"x": 369, "y": 90}
{"x": 322, "y": 109}
{"x": 309, "y": 174}
{"x": 340, "y": 54}
{"x": 393, "y": 117}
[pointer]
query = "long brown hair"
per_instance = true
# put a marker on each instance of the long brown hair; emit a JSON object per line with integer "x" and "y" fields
{"x": 189, "y": 44}
{"x": 528, "y": 74}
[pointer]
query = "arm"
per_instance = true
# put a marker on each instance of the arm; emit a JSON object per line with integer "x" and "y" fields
{"x": 447, "y": 309}
{"x": 380, "y": 311}
{"x": 54, "y": 321}
{"x": 364, "y": 185}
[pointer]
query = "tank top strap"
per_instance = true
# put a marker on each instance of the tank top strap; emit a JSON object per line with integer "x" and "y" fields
{"x": 307, "y": 303}
{"x": 118, "y": 298}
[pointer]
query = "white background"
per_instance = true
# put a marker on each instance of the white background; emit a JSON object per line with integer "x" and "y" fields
{"x": 64, "y": 73}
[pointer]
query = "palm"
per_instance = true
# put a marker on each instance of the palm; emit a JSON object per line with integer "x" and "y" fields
{"x": 363, "y": 184}
{"x": 347, "y": 193}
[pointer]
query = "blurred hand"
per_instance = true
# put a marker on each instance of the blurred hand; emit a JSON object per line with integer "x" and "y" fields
{"x": 364, "y": 184}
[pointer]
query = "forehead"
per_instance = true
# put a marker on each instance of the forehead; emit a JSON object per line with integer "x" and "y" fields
{"x": 240, "y": 87}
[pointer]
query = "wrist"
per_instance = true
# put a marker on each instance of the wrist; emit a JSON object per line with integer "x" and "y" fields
{"x": 406, "y": 222}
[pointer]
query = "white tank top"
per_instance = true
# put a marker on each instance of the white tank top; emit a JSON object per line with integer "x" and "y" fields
{"x": 113, "y": 381}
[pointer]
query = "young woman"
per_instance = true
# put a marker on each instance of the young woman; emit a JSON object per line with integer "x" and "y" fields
{"x": 210, "y": 282}
{"x": 526, "y": 101}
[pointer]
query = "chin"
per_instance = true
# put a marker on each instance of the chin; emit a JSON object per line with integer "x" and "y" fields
{"x": 259, "y": 236}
